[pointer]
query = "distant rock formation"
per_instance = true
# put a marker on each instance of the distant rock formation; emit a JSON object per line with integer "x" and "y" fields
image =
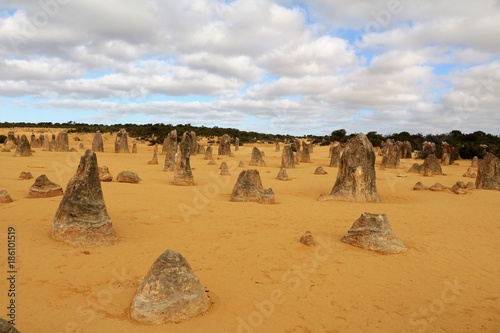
{"x": 391, "y": 155}
{"x": 320, "y": 171}
{"x": 445, "y": 159}
{"x": 11, "y": 141}
{"x": 134, "y": 148}
{"x": 373, "y": 232}
{"x": 307, "y": 239}
{"x": 211, "y": 162}
{"x": 201, "y": 149}
{"x": 406, "y": 150}
{"x": 5, "y": 197}
{"x": 194, "y": 144}
{"x": 23, "y": 149}
{"x": 104, "y": 174}
{"x": 256, "y": 158}
{"x": 458, "y": 188}
{"x": 431, "y": 166}
{"x": 170, "y": 292}
{"x": 170, "y": 148}
{"x": 474, "y": 162}
{"x": 249, "y": 187}
{"x": 128, "y": 177}
{"x": 121, "y": 142}
{"x": 62, "y": 141}
{"x": 182, "y": 172}
{"x": 97, "y": 143}
{"x": 208, "y": 153}
{"x": 224, "y": 166}
{"x": 287, "y": 157}
{"x": 469, "y": 173}
{"x": 282, "y": 174}
{"x": 356, "y": 179}
{"x": 305, "y": 156}
{"x": 44, "y": 188}
{"x": 336, "y": 152}
{"x": 277, "y": 146}
{"x": 488, "y": 173}
{"x": 25, "y": 175}
{"x": 241, "y": 164}
{"x": 154, "y": 160}
{"x": 82, "y": 218}
{"x": 224, "y": 145}
{"x": 429, "y": 147}
{"x": 236, "y": 144}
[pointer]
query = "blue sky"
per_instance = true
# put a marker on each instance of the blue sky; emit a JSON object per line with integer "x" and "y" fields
{"x": 261, "y": 65}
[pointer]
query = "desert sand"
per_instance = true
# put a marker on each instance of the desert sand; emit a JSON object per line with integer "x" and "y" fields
{"x": 248, "y": 255}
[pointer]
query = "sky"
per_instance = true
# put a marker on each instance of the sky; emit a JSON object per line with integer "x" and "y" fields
{"x": 272, "y": 66}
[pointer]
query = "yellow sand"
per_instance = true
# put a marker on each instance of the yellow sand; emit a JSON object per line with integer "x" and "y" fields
{"x": 247, "y": 255}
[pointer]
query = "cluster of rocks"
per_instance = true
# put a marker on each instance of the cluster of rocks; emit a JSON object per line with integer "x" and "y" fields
{"x": 458, "y": 188}
{"x": 430, "y": 167}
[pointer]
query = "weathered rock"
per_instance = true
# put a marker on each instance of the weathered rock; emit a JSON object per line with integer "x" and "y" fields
{"x": 336, "y": 153}
{"x": 80, "y": 146}
{"x": 194, "y": 144}
{"x": 287, "y": 157}
{"x": 406, "y": 150}
{"x": 241, "y": 164}
{"x": 11, "y": 141}
{"x": 282, "y": 174}
{"x": 470, "y": 173}
{"x": 211, "y": 162}
{"x": 437, "y": 187}
{"x": 82, "y": 218}
{"x": 62, "y": 141}
{"x": 25, "y": 175}
{"x": 373, "y": 232}
{"x": 104, "y": 174}
{"x": 429, "y": 147}
{"x": 391, "y": 155}
{"x": 488, "y": 173}
{"x": 262, "y": 153}
{"x": 474, "y": 162}
{"x": 4, "y": 150}
{"x": 208, "y": 153}
{"x": 225, "y": 172}
{"x": 154, "y": 160}
{"x": 23, "y": 149}
{"x": 182, "y": 173}
{"x": 307, "y": 239}
{"x": 458, "y": 188}
{"x": 236, "y": 144}
{"x": 277, "y": 146}
{"x": 249, "y": 187}
{"x": 121, "y": 142}
{"x": 419, "y": 186}
{"x": 414, "y": 168}
{"x": 445, "y": 148}
{"x": 170, "y": 149}
{"x": 201, "y": 149}
{"x": 445, "y": 159}
{"x": 44, "y": 188}
{"x": 128, "y": 177}
{"x": 356, "y": 179}
{"x": 97, "y": 143}
{"x": 320, "y": 171}
{"x": 224, "y": 145}
{"x": 305, "y": 156}
{"x": 6, "y": 327}
{"x": 431, "y": 166}
{"x": 256, "y": 158}
{"x": 170, "y": 292}
{"x": 134, "y": 148}
{"x": 5, "y": 197}
{"x": 46, "y": 143}
{"x": 224, "y": 166}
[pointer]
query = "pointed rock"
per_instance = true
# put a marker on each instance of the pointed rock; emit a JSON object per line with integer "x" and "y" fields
{"x": 82, "y": 218}
{"x": 445, "y": 160}
{"x": 356, "y": 179}
{"x": 373, "y": 232}
{"x": 307, "y": 239}
{"x": 249, "y": 187}
{"x": 211, "y": 162}
{"x": 170, "y": 149}
{"x": 23, "y": 149}
{"x": 5, "y": 197}
{"x": 182, "y": 173}
{"x": 469, "y": 173}
{"x": 44, "y": 188}
{"x": 391, "y": 155}
{"x": 320, "y": 171}
{"x": 170, "y": 292}
{"x": 474, "y": 162}
{"x": 208, "y": 153}
{"x": 6, "y": 327}
{"x": 256, "y": 158}
{"x": 121, "y": 142}
{"x": 287, "y": 157}
{"x": 488, "y": 173}
{"x": 282, "y": 174}
{"x": 134, "y": 148}
{"x": 431, "y": 166}
{"x": 25, "y": 175}
{"x": 154, "y": 160}
{"x": 224, "y": 145}
{"x": 277, "y": 146}
{"x": 241, "y": 164}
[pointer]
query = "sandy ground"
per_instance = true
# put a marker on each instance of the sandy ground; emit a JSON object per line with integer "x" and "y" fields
{"x": 247, "y": 255}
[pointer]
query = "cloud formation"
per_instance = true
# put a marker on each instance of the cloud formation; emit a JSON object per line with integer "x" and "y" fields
{"x": 276, "y": 66}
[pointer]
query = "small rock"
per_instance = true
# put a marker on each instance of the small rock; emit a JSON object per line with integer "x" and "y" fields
{"x": 307, "y": 239}
{"x": 128, "y": 177}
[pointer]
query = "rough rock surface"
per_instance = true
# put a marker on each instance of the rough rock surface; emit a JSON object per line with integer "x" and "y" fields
{"x": 307, "y": 239}
{"x": 182, "y": 172}
{"x": 11, "y": 141}
{"x": 256, "y": 158}
{"x": 154, "y": 160}
{"x": 82, "y": 218}
{"x": 208, "y": 153}
{"x": 97, "y": 143}
{"x": 249, "y": 187}
{"x": 474, "y": 162}
{"x": 128, "y": 177}
{"x": 445, "y": 159}
{"x": 194, "y": 144}
{"x": 121, "y": 142}
{"x": 44, "y": 188}
{"x": 6, "y": 327}
{"x": 201, "y": 149}
{"x": 5, "y": 197}
{"x": 458, "y": 188}
{"x": 414, "y": 168}
{"x": 224, "y": 145}
{"x": 241, "y": 164}
{"x": 305, "y": 156}
{"x": 211, "y": 162}
{"x": 282, "y": 174}
{"x": 170, "y": 149}
{"x": 23, "y": 149}
{"x": 391, "y": 155}
{"x": 170, "y": 292}
{"x": 62, "y": 141}
{"x": 356, "y": 179}
{"x": 104, "y": 174}
{"x": 224, "y": 166}
{"x": 236, "y": 144}
{"x": 336, "y": 153}
{"x": 431, "y": 166}
{"x": 488, "y": 173}
{"x": 25, "y": 175}
{"x": 287, "y": 157}
{"x": 277, "y": 146}
{"x": 373, "y": 232}
{"x": 406, "y": 150}
{"x": 470, "y": 173}
{"x": 320, "y": 171}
